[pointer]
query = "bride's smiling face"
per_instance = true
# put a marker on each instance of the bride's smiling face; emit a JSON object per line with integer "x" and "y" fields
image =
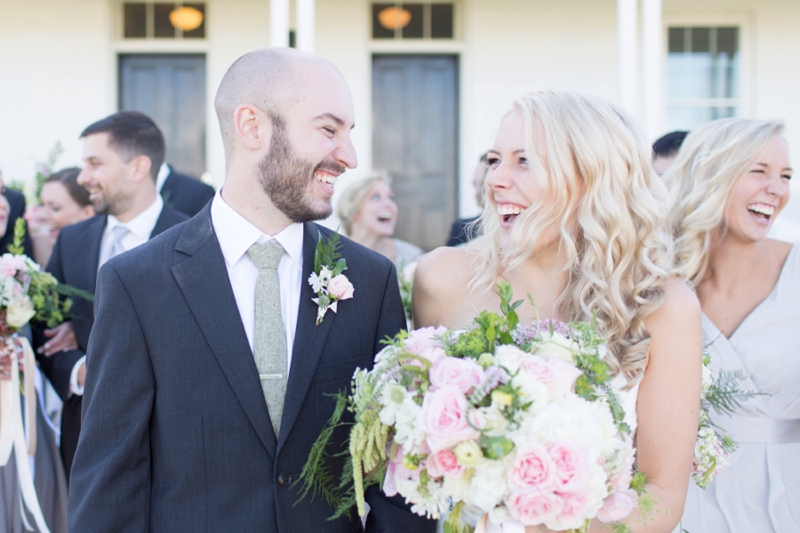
{"x": 511, "y": 185}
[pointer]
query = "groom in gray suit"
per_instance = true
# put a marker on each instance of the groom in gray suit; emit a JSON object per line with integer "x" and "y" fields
{"x": 207, "y": 379}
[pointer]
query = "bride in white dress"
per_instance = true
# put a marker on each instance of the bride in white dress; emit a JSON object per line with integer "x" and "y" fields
{"x": 729, "y": 183}
{"x": 575, "y": 219}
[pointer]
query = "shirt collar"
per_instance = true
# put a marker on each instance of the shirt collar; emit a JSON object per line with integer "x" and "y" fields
{"x": 163, "y": 173}
{"x": 236, "y": 234}
{"x": 142, "y": 225}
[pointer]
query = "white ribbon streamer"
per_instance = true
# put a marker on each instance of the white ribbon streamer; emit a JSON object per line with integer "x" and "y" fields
{"x": 13, "y": 435}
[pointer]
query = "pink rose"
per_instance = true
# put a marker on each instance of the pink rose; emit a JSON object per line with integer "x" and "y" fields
{"x": 532, "y": 469}
{"x": 574, "y": 511}
{"x": 434, "y": 354}
{"x": 340, "y": 287}
{"x": 465, "y": 374}
{"x": 444, "y": 418}
{"x": 421, "y": 339}
{"x": 558, "y": 375}
{"x": 570, "y": 466}
{"x": 444, "y": 463}
{"x": 533, "y": 508}
{"x": 397, "y": 470}
{"x": 617, "y": 506}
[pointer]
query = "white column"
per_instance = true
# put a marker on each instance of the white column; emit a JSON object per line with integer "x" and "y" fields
{"x": 628, "y": 57}
{"x": 305, "y": 25}
{"x": 653, "y": 78}
{"x": 279, "y": 23}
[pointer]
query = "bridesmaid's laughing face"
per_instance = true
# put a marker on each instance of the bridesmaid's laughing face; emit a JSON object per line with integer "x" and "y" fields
{"x": 759, "y": 195}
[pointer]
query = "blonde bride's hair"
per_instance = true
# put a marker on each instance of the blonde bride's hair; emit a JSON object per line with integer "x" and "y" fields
{"x": 700, "y": 180}
{"x": 600, "y": 194}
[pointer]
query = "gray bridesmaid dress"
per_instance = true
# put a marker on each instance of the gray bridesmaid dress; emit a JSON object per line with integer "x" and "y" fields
{"x": 48, "y": 478}
{"x": 760, "y": 489}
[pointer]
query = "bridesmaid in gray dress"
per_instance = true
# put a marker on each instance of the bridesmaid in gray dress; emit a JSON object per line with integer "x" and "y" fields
{"x": 729, "y": 183}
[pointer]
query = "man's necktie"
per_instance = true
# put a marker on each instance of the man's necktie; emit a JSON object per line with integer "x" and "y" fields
{"x": 269, "y": 346}
{"x": 117, "y": 234}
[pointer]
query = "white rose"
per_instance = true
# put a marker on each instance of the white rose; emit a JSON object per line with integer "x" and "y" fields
{"x": 509, "y": 357}
{"x": 19, "y": 314}
{"x": 556, "y": 345}
{"x": 488, "y": 484}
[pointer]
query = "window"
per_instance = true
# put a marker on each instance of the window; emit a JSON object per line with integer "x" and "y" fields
{"x": 164, "y": 20}
{"x": 703, "y": 75}
{"x": 412, "y": 21}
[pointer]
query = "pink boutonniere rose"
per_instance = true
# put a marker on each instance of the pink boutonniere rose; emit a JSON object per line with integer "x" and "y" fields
{"x": 327, "y": 280}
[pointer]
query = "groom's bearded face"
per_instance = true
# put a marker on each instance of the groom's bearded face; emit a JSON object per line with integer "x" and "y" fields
{"x": 288, "y": 179}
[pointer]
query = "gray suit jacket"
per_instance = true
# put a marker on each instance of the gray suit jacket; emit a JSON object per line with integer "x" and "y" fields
{"x": 176, "y": 433}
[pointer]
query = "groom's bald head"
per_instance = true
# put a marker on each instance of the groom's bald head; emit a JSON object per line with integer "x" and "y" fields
{"x": 271, "y": 79}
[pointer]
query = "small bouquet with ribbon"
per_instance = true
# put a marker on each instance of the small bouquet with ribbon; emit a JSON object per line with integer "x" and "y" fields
{"x": 26, "y": 293}
{"x": 517, "y": 426}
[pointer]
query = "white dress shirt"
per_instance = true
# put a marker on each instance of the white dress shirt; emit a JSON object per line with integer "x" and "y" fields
{"x": 235, "y": 235}
{"x": 163, "y": 174}
{"x": 139, "y": 230}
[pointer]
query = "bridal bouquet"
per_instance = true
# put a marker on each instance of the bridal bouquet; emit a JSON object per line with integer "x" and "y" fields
{"x": 519, "y": 423}
{"x": 26, "y": 293}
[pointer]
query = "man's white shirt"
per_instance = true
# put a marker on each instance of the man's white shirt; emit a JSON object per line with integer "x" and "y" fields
{"x": 235, "y": 235}
{"x": 139, "y": 231}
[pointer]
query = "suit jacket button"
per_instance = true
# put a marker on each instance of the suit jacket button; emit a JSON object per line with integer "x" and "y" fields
{"x": 284, "y": 478}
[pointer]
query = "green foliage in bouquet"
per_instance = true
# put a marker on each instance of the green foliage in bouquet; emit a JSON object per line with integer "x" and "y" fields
{"x": 50, "y": 299}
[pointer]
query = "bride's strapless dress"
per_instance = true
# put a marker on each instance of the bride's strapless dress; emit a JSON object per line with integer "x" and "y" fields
{"x": 628, "y": 399}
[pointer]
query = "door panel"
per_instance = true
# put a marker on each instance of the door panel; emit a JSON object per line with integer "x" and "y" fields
{"x": 170, "y": 89}
{"x": 415, "y": 102}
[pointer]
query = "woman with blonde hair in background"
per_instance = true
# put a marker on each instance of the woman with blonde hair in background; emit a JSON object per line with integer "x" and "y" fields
{"x": 369, "y": 213}
{"x": 730, "y": 181}
{"x": 575, "y": 218}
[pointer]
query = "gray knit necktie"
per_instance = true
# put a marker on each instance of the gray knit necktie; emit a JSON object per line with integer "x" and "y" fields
{"x": 269, "y": 346}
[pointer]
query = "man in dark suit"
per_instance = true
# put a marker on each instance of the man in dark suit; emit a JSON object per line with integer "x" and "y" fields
{"x": 122, "y": 153}
{"x": 183, "y": 429}
{"x": 181, "y": 192}
{"x": 464, "y": 230}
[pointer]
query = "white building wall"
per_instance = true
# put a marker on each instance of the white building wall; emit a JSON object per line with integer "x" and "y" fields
{"x": 55, "y": 75}
{"x": 58, "y": 65}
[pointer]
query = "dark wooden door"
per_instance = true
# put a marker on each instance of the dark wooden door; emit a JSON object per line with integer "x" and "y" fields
{"x": 171, "y": 89}
{"x": 414, "y": 139}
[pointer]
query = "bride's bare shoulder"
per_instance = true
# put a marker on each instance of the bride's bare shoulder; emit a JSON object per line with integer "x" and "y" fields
{"x": 440, "y": 281}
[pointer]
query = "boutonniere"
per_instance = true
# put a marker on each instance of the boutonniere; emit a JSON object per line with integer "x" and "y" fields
{"x": 328, "y": 280}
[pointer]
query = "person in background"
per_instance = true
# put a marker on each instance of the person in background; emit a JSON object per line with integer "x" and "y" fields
{"x": 729, "y": 183}
{"x": 64, "y": 202}
{"x": 182, "y": 193}
{"x": 16, "y": 206}
{"x": 369, "y": 213}
{"x": 465, "y": 229}
{"x": 665, "y": 150}
{"x": 48, "y": 472}
{"x": 122, "y": 154}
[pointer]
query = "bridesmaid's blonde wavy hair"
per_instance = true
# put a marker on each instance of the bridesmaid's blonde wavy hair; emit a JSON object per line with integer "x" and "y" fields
{"x": 600, "y": 192}
{"x": 710, "y": 161}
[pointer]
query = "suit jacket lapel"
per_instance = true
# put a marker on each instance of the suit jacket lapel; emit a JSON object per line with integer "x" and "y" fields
{"x": 309, "y": 339}
{"x": 91, "y": 254}
{"x": 203, "y": 279}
